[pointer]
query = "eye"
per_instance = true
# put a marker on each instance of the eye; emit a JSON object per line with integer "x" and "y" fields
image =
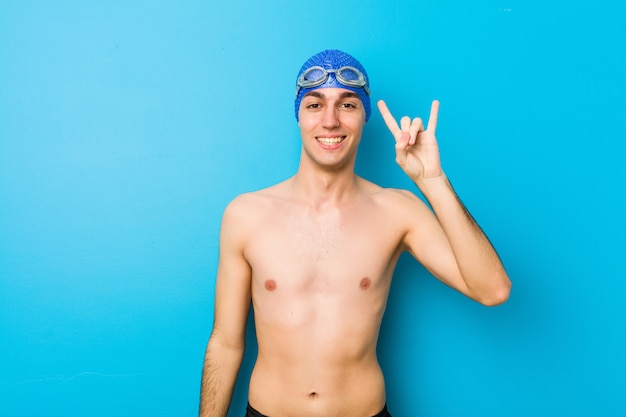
{"x": 348, "y": 105}
{"x": 313, "y": 106}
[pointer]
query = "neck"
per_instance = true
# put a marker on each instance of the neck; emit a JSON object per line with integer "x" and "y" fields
{"x": 321, "y": 187}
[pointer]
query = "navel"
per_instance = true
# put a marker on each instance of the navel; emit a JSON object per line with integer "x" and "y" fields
{"x": 365, "y": 283}
{"x": 270, "y": 285}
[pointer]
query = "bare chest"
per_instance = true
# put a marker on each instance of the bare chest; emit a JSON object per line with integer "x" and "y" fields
{"x": 327, "y": 251}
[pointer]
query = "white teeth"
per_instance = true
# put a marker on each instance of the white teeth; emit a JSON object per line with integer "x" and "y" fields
{"x": 330, "y": 141}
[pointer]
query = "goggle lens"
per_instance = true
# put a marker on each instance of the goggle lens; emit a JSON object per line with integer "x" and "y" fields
{"x": 317, "y": 75}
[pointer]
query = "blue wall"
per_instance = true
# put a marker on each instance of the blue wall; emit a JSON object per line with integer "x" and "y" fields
{"x": 127, "y": 126}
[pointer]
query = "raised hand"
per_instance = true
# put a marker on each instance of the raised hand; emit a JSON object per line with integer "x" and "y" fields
{"x": 417, "y": 152}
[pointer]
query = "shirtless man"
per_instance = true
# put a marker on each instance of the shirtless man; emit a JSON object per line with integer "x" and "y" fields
{"x": 315, "y": 255}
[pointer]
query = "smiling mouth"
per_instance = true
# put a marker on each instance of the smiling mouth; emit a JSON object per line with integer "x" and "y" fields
{"x": 330, "y": 141}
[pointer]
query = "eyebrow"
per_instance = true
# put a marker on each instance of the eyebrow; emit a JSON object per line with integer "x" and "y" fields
{"x": 345, "y": 94}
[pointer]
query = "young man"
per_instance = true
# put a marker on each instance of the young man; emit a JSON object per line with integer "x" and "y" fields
{"x": 315, "y": 256}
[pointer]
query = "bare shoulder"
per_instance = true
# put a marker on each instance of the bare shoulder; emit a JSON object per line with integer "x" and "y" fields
{"x": 394, "y": 199}
{"x": 251, "y": 208}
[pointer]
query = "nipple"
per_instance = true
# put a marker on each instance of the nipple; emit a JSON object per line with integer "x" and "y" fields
{"x": 365, "y": 283}
{"x": 270, "y": 285}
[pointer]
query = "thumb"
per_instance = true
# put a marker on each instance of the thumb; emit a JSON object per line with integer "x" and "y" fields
{"x": 403, "y": 140}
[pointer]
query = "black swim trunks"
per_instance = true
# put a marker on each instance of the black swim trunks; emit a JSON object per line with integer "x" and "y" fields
{"x": 251, "y": 412}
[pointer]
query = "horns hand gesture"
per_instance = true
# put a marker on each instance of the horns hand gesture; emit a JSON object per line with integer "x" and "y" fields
{"x": 417, "y": 152}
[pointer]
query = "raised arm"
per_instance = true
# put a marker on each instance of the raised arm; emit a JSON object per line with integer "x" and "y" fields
{"x": 226, "y": 345}
{"x": 450, "y": 244}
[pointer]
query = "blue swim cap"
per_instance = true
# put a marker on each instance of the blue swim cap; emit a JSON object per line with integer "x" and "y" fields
{"x": 334, "y": 60}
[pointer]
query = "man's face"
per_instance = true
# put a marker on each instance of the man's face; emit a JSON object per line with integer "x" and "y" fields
{"x": 331, "y": 123}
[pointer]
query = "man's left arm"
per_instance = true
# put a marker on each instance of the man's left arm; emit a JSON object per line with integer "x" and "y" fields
{"x": 452, "y": 244}
{"x": 479, "y": 265}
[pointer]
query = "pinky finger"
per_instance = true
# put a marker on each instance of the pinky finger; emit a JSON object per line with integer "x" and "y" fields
{"x": 434, "y": 115}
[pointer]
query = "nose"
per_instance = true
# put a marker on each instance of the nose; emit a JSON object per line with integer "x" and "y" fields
{"x": 330, "y": 118}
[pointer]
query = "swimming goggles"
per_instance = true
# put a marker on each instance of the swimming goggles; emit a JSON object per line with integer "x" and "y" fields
{"x": 316, "y": 76}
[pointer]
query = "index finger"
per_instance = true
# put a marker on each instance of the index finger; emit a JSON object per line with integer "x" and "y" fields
{"x": 390, "y": 121}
